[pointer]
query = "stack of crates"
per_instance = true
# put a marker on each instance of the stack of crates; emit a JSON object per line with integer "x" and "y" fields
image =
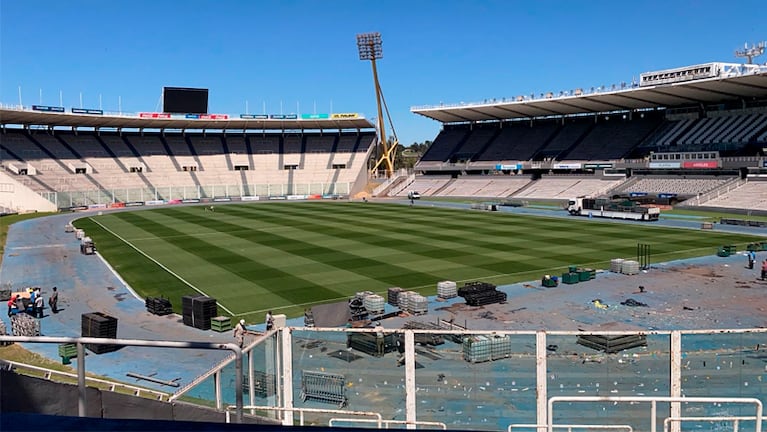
{"x": 570, "y": 277}
{"x": 586, "y": 274}
{"x": 374, "y": 304}
{"x": 158, "y": 306}
{"x": 500, "y": 347}
{"x": 221, "y": 324}
{"x": 476, "y": 349}
{"x": 417, "y": 304}
{"x": 198, "y": 311}
{"x": 447, "y": 289}
{"x": 403, "y": 299}
{"x": 99, "y": 325}
{"x": 66, "y": 352}
{"x": 392, "y": 294}
{"x": 308, "y": 318}
{"x": 481, "y": 293}
{"x": 24, "y": 325}
{"x": 357, "y": 309}
{"x": 616, "y": 264}
{"x": 630, "y": 267}
{"x": 726, "y": 250}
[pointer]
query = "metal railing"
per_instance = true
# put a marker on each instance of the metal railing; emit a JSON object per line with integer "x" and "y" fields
{"x": 301, "y": 411}
{"x": 653, "y": 400}
{"x": 387, "y": 423}
{"x": 570, "y": 427}
{"x": 81, "y": 341}
{"x": 734, "y": 419}
{"x": 111, "y": 385}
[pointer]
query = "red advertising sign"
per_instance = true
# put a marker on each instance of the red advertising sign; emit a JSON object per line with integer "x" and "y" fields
{"x": 153, "y": 115}
{"x": 700, "y": 164}
{"x": 214, "y": 116}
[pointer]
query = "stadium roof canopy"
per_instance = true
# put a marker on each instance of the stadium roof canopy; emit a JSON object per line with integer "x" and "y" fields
{"x": 26, "y": 117}
{"x": 749, "y": 84}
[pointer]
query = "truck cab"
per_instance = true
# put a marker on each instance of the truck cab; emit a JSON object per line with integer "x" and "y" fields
{"x": 413, "y": 195}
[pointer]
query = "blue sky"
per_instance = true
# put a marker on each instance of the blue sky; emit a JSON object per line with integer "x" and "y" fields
{"x": 303, "y": 54}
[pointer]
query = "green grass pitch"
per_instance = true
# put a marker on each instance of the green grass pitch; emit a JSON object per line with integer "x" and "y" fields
{"x": 289, "y": 256}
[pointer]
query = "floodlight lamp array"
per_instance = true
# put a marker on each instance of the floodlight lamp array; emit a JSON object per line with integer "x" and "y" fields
{"x": 369, "y": 45}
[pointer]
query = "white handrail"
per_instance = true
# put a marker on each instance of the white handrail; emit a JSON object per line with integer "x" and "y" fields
{"x": 734, "y": 419}
{"x": 112, "y": 384}
{"x": 378, "y": 418}
{"x": 386, "y": 423}
{"x": 653, "y": 400}
{"x": 570, "y": 427}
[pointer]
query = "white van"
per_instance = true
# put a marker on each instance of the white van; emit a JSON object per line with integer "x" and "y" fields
{"x": 413, "y": 195}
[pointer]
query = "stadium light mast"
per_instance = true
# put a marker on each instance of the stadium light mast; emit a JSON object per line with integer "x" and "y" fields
{"x": 750, "y": 53}
{"x": 369, "y": 45}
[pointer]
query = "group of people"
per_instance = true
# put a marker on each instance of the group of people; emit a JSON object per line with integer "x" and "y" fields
{"x": 35, "y": 305}
{"x": 751, "y": 255}
{"x": 240, "y": 330}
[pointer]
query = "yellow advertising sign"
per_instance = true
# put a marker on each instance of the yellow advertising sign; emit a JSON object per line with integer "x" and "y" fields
{"x": 344, "y": 115}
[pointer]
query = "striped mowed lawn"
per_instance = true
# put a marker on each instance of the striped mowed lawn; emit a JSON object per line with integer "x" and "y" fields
{"x": 287, "y": 256}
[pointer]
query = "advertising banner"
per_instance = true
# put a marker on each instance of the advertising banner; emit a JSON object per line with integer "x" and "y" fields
{"x": 700, "y": 164}
{"x": 47, "y": 108}
{"x": 154, "y": 115}
{"x": 665, "y": 165}
{"x": 344, "y": 115}
{"x": 314, "y": 116}
{"x": 566, "y": 166}
{"x": 254, "y": 116}
{"x": 87, "y": 111}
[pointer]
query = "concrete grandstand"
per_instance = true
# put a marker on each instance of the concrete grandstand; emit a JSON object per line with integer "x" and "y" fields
{"x": 670, "y": 134}
{"x": 77, "y": 160}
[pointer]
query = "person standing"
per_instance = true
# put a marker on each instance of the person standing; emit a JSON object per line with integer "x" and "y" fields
{"x": 400, "y": 350}
{"x": 269, "y": 321}
{"x": 53, "y": 301}
{"x": 239, "y": 333}
{"x": 11, "y": 304}
{"x": 379, "y": 339}
{"x": 764, "y": 269}
{"x": 751, "y": 259}
{"x": 39, "y": 304}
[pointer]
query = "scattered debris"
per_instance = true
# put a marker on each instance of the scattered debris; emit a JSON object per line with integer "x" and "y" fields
{"x": 633, "y": 303}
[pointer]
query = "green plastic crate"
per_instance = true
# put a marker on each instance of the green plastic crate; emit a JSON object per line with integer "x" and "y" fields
{"x": 570, "y": 278}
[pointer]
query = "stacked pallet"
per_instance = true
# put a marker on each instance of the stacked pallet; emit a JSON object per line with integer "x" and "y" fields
{"x": 476, "y": 349}
{"x": 425, "y": 338}
{"x": 99, "y": 325}
{"x": 481, "y": 293}
{"x": 630, "y": 267}
{"x": 612, "y": 344}
{"x": 158, "y": 306}
{"x": 24, "y": 325}
{"x": 500, "y": 347}
{"x": 374, "y": 304}
{"x": 368, "y": 342}
{"x": 417, "y": 304}
{"x": 616, "y": 264}
{"x": 392, "y": 296}
{"x": 447, "y": 289}
{"x": 198, "y": 311}
{"x": 357, "y": 309}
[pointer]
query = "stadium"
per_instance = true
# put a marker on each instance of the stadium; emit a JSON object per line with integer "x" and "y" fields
{"x": 170, "y": 226}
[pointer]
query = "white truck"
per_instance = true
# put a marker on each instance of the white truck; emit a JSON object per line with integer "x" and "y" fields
{"x": 605, "y": 208}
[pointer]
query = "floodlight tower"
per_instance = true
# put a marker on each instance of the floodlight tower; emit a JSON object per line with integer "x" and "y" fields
{"x": 369, "y": 45}
{"x": 750, "y": 53}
